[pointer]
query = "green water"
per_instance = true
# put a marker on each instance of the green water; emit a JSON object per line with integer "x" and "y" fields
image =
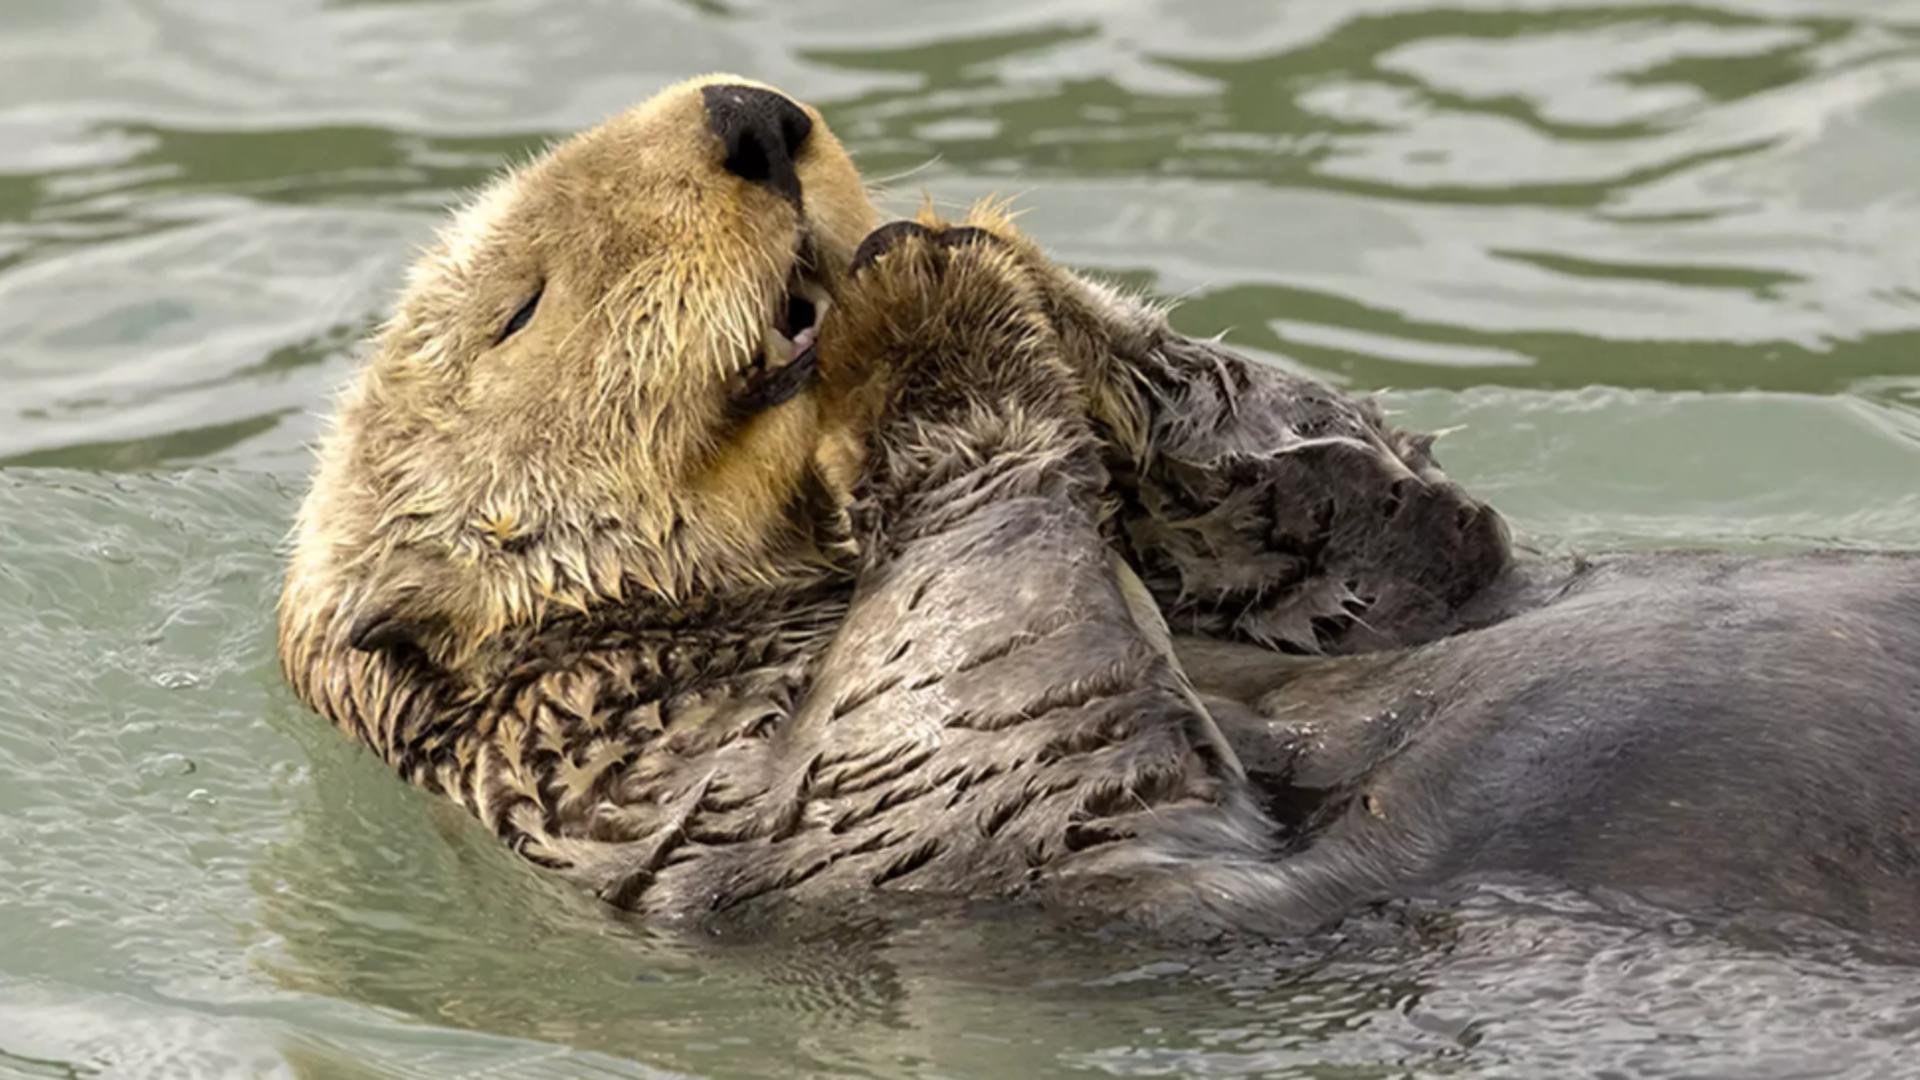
{"x": 1659, "y": 263}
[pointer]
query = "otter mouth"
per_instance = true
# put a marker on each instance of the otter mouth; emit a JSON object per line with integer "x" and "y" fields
{"x": 783, "y": 362}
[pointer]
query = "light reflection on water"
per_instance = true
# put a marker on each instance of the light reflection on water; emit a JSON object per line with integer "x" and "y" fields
{"x": 1654, "y": 259}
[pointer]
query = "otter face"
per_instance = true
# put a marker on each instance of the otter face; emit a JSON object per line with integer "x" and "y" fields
{"x": 598, "y": 380}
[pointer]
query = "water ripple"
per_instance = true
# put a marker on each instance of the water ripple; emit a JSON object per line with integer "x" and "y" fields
{"x": 1654, "y": 260}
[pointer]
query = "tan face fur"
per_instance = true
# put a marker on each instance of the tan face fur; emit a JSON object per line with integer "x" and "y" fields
{"x": 474, "y": 484}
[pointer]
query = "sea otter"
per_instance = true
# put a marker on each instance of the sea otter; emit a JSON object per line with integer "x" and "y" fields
{"x": 717, "y": 545}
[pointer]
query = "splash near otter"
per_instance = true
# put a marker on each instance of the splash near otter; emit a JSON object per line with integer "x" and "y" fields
{"x": 715, "y": 544}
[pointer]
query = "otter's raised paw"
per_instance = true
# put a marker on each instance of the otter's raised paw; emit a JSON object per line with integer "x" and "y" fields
{"x": 946, "y": 332}
{"x": 936, "y": 313}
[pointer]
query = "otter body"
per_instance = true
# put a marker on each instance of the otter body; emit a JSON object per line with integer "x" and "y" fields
{"x": 1704, "y": 729}
{"x": 715, "y": 548}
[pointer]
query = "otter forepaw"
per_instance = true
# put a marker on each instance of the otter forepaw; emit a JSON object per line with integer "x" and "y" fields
{"x": 949, "y": 311}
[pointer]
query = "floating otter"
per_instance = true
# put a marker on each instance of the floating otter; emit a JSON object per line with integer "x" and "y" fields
{"x": 712, "y": 545}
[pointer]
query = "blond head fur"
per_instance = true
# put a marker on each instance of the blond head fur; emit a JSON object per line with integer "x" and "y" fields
{"x": 472, "y": 485}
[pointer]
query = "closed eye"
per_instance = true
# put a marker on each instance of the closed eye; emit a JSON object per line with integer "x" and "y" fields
{"x": 520, "y": 318}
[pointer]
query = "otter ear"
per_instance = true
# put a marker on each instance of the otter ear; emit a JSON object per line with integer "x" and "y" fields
{"x": 398, "y": 609}
{"x": 384, "y": 630}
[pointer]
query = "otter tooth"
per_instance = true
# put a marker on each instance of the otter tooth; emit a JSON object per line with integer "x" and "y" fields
{"x": 777, "y": 348}
{"x": 804, "y": 340}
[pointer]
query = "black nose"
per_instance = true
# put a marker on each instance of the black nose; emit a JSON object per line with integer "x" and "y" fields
{"x": 761, "y": 132}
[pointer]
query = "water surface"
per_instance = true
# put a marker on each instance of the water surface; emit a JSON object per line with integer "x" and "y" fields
{"x": 1656, "y": 263}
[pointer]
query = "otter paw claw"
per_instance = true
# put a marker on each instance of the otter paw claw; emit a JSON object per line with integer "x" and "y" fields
{"x": 891, "y": 235}
{"x": 962, "y": 235}
{"x": 882, "y": 240}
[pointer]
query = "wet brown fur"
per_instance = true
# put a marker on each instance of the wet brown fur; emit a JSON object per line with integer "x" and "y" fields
{"x": 664, "y": 650}
{"x": 966, "y": 617}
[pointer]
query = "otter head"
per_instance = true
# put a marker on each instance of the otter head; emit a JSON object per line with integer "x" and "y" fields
{"x": 597, "y": 382}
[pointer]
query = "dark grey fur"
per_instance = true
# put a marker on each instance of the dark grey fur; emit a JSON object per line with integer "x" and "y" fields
{"x": 1270, "y": 509}
{"x": 1703, "y": 729}
{"x": 1713, "y": 730}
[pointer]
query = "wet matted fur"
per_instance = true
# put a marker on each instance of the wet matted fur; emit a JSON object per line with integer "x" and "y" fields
{"x": 691, "y": 656}
{"x": 1012, "y": 592}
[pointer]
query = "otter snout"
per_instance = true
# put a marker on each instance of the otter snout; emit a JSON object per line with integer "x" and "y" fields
{"x": 761, "y": 133}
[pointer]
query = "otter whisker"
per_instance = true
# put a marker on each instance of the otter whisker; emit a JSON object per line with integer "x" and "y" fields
{"x": 878, "y": 188}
